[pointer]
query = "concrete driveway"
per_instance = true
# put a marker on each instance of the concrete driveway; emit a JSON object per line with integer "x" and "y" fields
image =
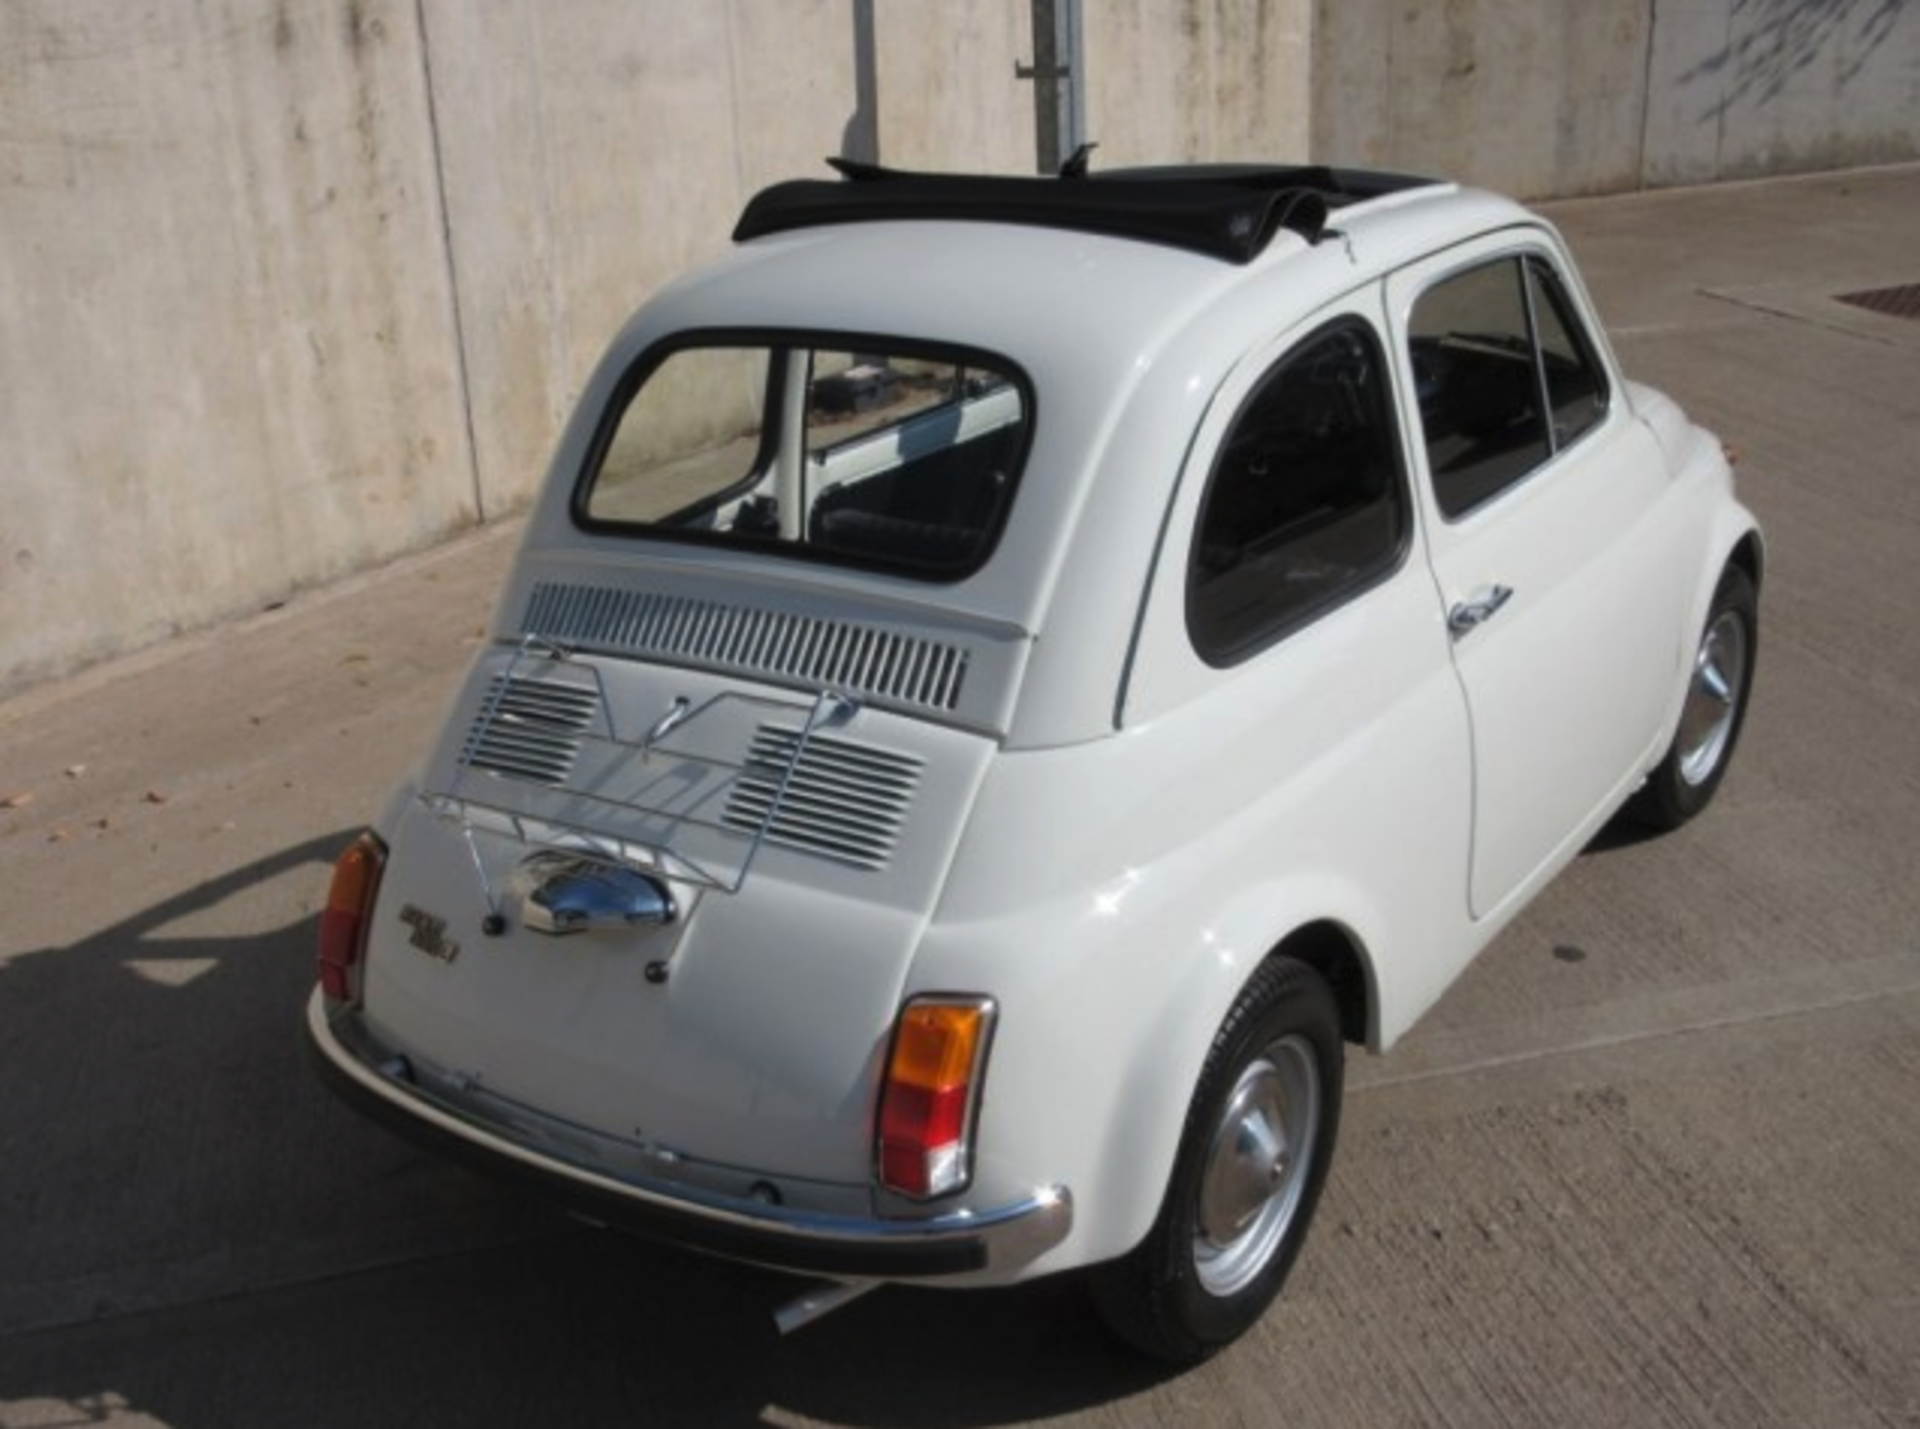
{"x": 1653, "y": 1161}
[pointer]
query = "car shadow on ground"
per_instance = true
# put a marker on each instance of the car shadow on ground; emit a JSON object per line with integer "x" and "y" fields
{"x": 579, "y": 1327}
{"x": 193, "y": 1233}
{"x": 1624, "y": 830}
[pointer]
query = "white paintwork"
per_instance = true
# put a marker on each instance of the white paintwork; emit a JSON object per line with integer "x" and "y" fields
{"x": 1568, "y": 683}
{"x": 1114, "y": 840}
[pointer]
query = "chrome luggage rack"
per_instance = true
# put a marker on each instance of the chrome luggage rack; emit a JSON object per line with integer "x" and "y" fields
{"x": 667, "y": 803}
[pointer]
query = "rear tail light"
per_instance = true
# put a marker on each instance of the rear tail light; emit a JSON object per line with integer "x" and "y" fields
{"x": 932, "y": 1091}
{"x": 349, "y": 911}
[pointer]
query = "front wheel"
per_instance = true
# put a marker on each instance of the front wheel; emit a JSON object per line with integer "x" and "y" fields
{"x": 1252, "y": 1159}
{"x": 1683, "y": 782}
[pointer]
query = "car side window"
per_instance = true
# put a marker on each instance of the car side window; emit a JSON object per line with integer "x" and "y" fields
{"x": 1576, "y": 382}
{"x": 1305, "y": 504}
{"x": 1506, "y": 377}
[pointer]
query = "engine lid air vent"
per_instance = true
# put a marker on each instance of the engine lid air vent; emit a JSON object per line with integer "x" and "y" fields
{"x": 844, "y": 800}
{"x": 804, "y": 651}
{"x": 531, "y": 728}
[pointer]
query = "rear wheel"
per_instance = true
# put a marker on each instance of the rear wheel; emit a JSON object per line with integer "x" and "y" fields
{"x": 1252, "y": 1159}
{"x": 1684, "y": 781}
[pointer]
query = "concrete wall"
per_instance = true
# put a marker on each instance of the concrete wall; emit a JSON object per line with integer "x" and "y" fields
{"x": 225, "y": 361}
{"x": 292, "y": 286}
{"x": 590, "y": 152}
{"x": 1195, "y": 80}
{"x": 289, "y": 287}
{"x": 1603, "y": 95}
{"x": 1735, "y": 90}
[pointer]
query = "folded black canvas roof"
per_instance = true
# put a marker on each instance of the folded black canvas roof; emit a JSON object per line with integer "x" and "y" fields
{"x": 1229, "y": 212}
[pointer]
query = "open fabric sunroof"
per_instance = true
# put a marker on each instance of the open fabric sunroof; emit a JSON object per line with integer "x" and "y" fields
{"x": 1230, "y": 212}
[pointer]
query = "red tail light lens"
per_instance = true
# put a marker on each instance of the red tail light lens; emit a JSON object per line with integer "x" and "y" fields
{"x": 927, "y": 1106}
{"x": 349, "y": 910}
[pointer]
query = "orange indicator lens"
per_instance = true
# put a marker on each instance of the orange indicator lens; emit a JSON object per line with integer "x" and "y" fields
{"x": 936, "y": 1043}
{"x": 343, "y": 924}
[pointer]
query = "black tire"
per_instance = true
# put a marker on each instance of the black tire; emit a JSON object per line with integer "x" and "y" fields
{"x": 1270, "y": 1086}
{"x": 1684, "y": 781}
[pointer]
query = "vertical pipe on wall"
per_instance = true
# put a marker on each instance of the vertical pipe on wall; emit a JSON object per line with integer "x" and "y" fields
{"x": 1059, "y": 108}
{"x": 462, "y": 377}
{"x": 860, "y": 140}
{"x": 1073, "y": 90}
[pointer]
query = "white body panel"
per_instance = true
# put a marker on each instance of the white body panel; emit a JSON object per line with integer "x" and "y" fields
{"x": 1104, "y": 833}
{"x": 1569, "y": 682}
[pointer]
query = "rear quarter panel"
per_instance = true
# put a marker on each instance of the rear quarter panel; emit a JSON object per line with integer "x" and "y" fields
{"x": 1115, "y": 896}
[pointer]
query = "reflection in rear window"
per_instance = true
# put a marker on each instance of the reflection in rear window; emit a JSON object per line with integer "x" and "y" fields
{"x": 882, "y": 453}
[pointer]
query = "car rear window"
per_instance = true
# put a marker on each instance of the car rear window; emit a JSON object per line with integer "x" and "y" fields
{"x": 865, "y": 451}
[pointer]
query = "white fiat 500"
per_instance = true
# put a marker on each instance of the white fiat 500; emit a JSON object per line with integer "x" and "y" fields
{"x": 1006, "y": 679}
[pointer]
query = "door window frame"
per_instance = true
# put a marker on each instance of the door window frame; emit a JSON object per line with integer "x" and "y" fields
{"x": 1544, "y": 276}
{"x": 1217, "y": 648}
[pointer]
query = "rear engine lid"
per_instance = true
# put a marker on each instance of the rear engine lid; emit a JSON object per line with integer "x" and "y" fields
{"x": 797, "y": 844}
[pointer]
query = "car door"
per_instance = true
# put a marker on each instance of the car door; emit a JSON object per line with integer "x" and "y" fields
{"x": 1542, "y": 496}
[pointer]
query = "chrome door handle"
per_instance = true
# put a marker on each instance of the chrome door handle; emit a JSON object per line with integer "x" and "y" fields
{"x": 1471, "y": 614}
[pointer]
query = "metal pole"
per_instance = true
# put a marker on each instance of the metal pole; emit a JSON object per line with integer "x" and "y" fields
{"x": 1073, "y": 130}
{"x": 1059, "y": 113}
{"x": 861, "y": 138}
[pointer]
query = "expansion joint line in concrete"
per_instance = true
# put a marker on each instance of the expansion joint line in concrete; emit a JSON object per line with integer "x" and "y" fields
{"x": 462, "y": 379}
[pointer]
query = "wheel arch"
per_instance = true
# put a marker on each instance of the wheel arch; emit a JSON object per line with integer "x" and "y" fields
{"x": 1160, "y": 1090}
{"x": 1737, "y": 539}
{"x": 1749, "y": 553}
{"x": 1336, "y": 953}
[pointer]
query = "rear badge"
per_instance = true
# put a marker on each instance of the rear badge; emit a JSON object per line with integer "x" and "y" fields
{"x": 429, "y": 934}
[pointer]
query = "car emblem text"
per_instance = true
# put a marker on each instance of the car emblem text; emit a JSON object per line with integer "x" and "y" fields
{"x": 429, "y": 934}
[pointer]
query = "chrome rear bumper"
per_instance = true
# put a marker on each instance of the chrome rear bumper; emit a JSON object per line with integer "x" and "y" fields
{"x": 492, "y": 1136}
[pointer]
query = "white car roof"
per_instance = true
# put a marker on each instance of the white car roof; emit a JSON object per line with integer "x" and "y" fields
{"x": 1125, "y": 341}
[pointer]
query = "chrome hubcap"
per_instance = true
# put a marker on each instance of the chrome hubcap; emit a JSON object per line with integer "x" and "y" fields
{"x": 1257, "y": 1166}
{"x": 1706, "y": 723}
